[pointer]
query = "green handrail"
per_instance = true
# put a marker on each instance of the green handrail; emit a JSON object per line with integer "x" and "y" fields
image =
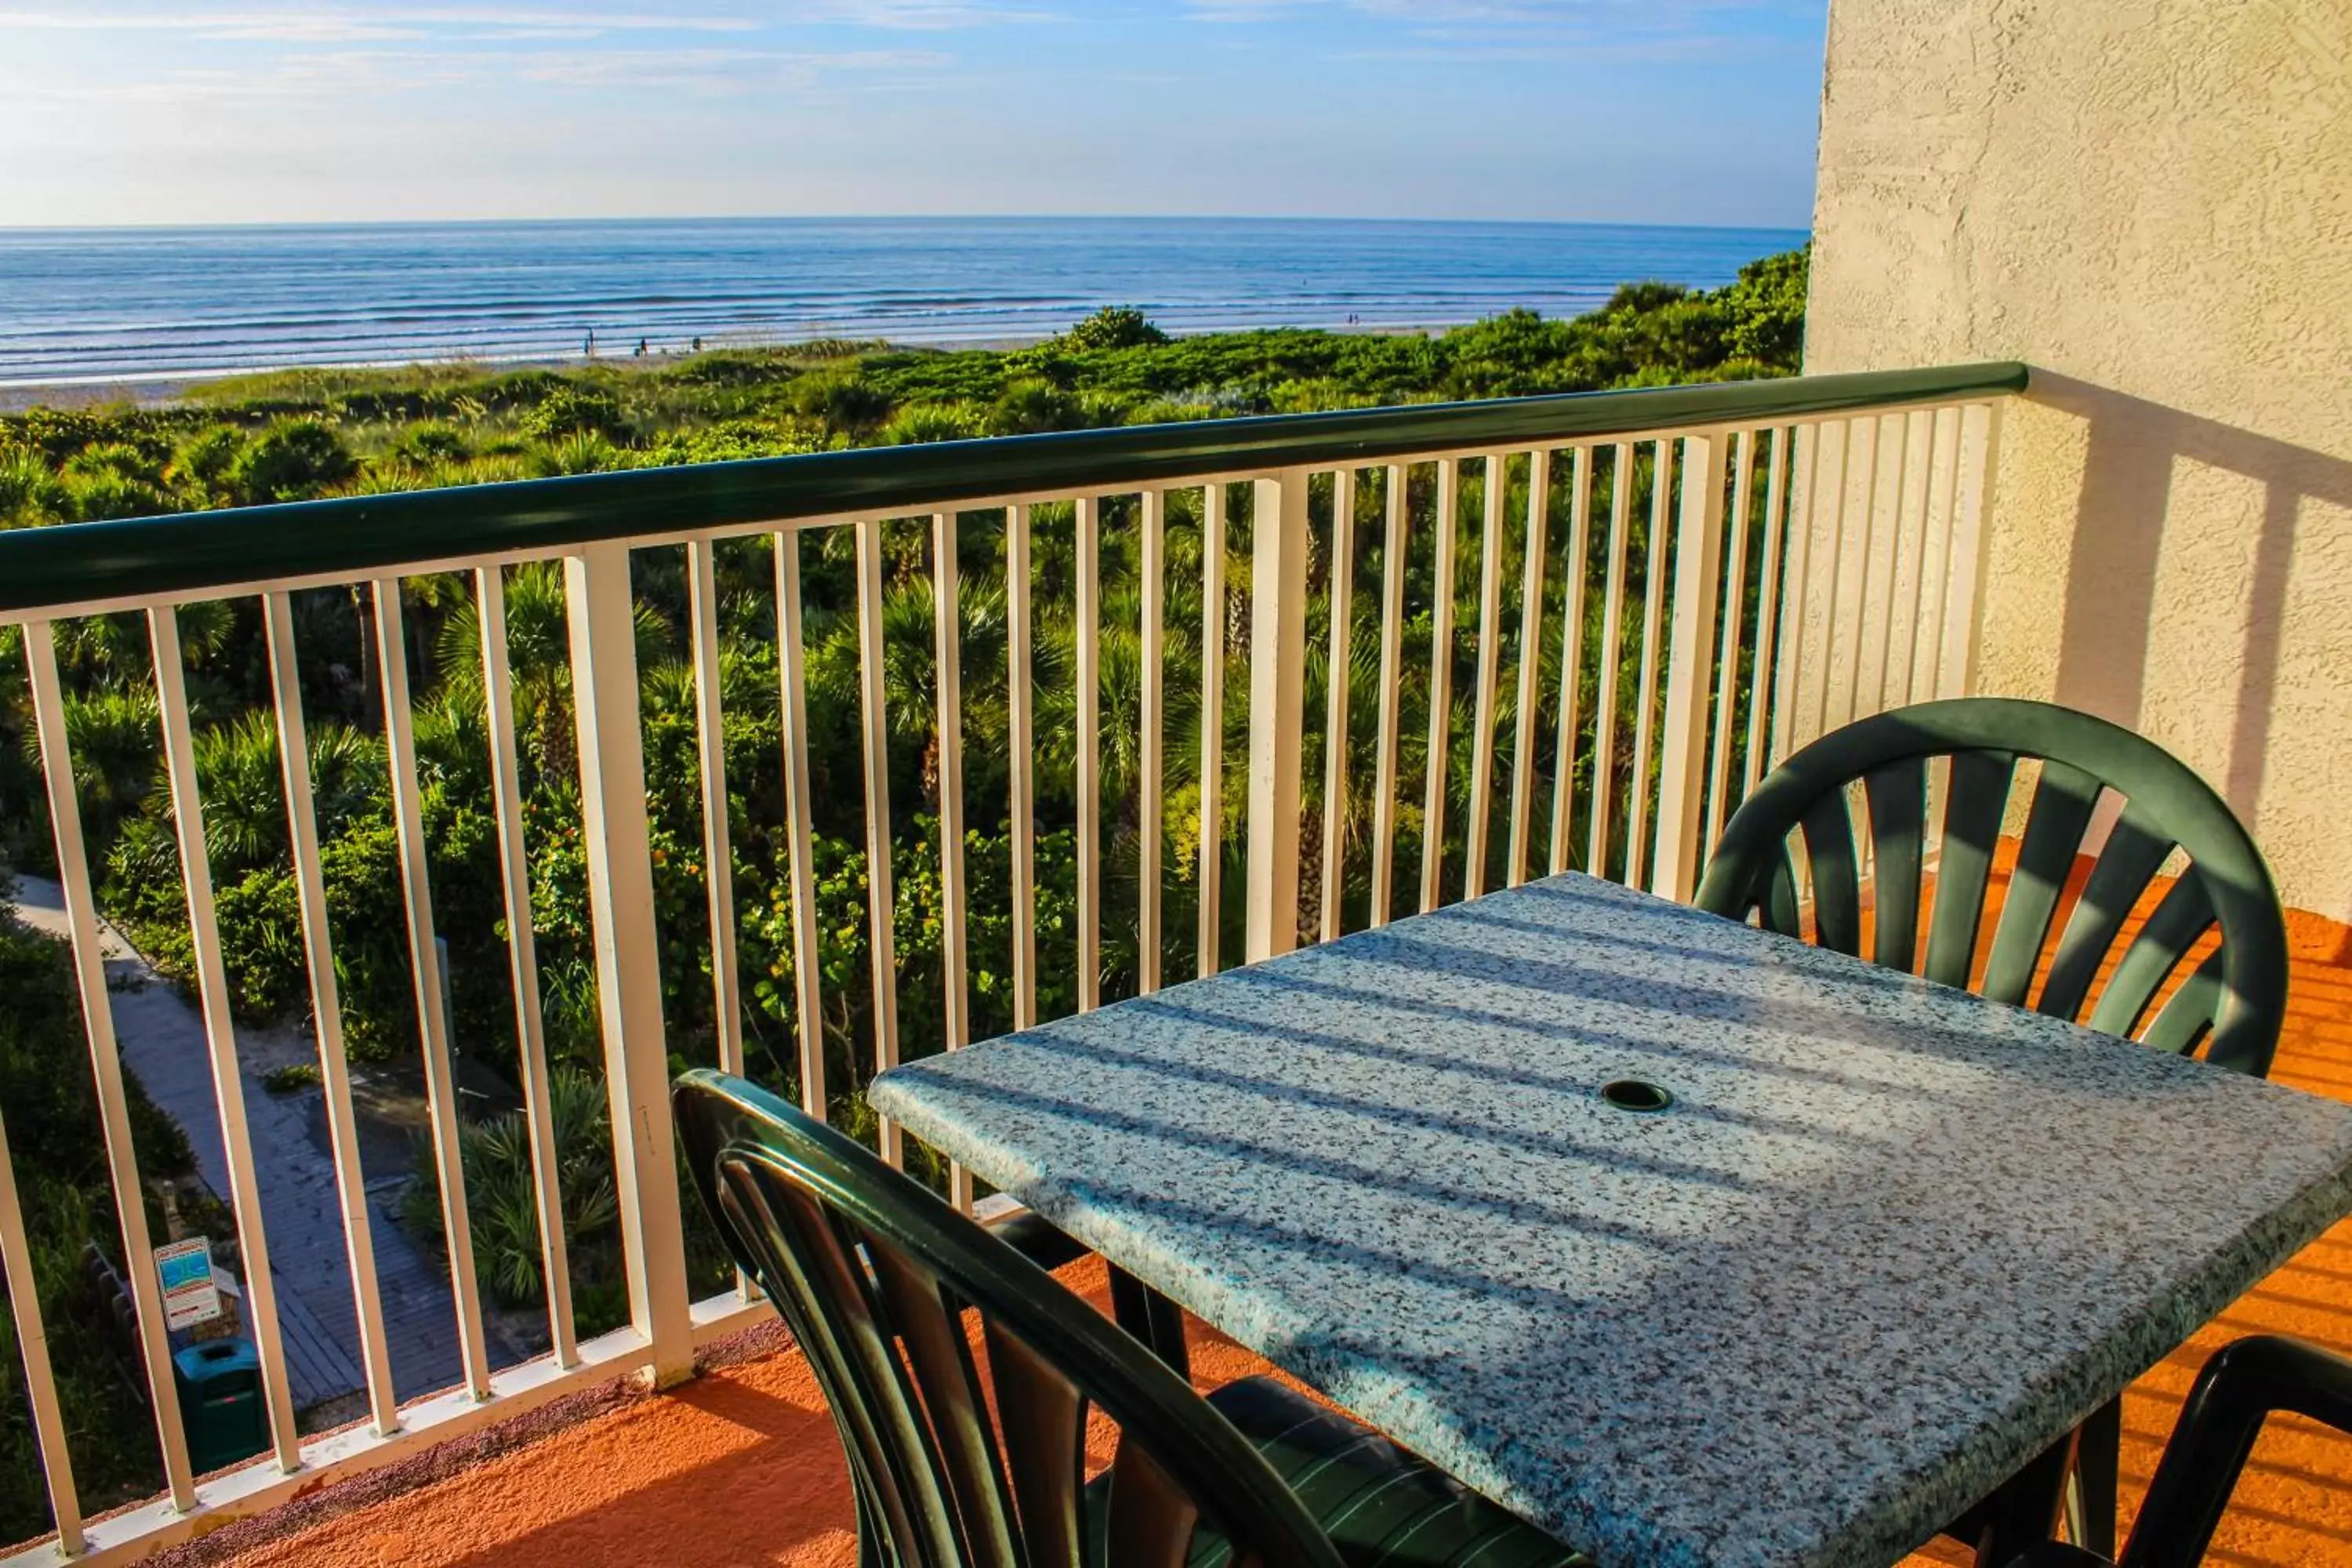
{"x": 353, "y": 536}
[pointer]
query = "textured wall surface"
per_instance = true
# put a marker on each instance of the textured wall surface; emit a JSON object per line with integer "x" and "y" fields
{"x": 2149, "y": 202}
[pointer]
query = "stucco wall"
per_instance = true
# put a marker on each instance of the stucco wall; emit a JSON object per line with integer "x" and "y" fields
{"x": 2150, "y": 202}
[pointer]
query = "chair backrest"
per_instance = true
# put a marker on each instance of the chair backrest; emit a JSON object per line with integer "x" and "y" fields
{"x": 954, "y": 1467}
{"x": 2236, "y": 995}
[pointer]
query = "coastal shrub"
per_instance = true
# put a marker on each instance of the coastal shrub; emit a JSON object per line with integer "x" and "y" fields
{"x": 204, "y": 468}
{"x": 734, "y": 440}
{"x": 31, "y": 493}
{"x": 501, "y": 1197}
{"x": 433, "y": 442}
{"x": 260, "y": 920}
{"x": 1113, "y": 327}
{"x": 840, "y": 400}
{"x": 1033, "y": 404}
{"x": 60, "y": 432}
{"x": 568, "y": 410}
{"x": 1767, "y": 304}
{"x": 294, "y": 460}
{"x": 582, "y": 452}
{"x": 924, "y": 422}
{"x": 114, "y": 736}
{"x": 1632, "y": 299}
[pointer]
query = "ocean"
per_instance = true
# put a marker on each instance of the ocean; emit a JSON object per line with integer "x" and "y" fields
{"x": 167, "y": 304}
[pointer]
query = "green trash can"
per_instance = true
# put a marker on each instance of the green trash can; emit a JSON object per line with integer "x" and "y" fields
{"x": 220, "y": 1402}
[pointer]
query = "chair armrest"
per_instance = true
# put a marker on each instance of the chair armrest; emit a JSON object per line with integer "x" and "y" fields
{"x": 2240, "y": 1386}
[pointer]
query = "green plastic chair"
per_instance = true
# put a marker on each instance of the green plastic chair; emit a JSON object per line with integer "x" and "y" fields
{"x": 875, "y": 1276}
{"x": 2244, "y": 1382}
{"x": 2232, "y": 1005}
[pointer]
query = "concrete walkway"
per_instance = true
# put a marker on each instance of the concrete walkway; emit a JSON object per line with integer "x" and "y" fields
{"x": 162, "y": 1037}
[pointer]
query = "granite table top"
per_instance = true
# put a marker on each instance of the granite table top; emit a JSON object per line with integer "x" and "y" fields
{"x": 1889, "y": 1241}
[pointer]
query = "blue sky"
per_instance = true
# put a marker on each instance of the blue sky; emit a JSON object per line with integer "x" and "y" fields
{"x": 260, "y": 110}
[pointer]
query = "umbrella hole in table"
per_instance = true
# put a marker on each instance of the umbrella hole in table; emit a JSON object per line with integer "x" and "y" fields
{"x": 1634, "y": 1094}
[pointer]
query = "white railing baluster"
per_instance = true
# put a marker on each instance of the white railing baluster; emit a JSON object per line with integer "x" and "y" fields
{"x": 1935, "y": 554}
{"x": 523, "y": 962}
{"x": 1571, "y": 658}
{"x": 1021, "y": 698}
{"x": 1852, "y": 598}
{"x": 718, "y": 843}
{"x": 1612, "y": 638}
{"x": 947, "y": 633}
{"x": 106, "y": 1062}
{"x": 1796, "y": 592}
{"x": 1490, "y": 654}
{"x": 1682, "y": 760}
{"x": 1738, "y": 520}
{"x": 1523, "y": 739}
{"x": 220, "y": 1033}
{"x": 1829, "y": 484}
{"x": 1212, "y": 724}
{"x": 425, "y": 965}
{"x": 1089, "y": 738}
{"x": 1384, "y": 767}
{"x": 1441, "y": 686}
{"x": 1883, "y": 559}
{"x": 880, "y": 907}
{"x": 718, "y": 849}
{"x": 601, "y": 614}
{"x": 1341, "y": 601}
{"x": 1278, "y": 547}
{"x": 33, "y": 1349}
{"x": 1769, "y": 591}
{"x": 1152, "y": 520}
{"x": 1902, "y": 617}
{"x": 792, "y": 676}
{"x": 326, "y": 1011}
{"x": 1979, "y": 436}
{"x": 1638, "y": 829}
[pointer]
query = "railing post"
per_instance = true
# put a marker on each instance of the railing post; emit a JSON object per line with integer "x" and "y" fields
{"x": 1698, "y": 555}
{"x": 1277, "y": 702}
{"x": 628, "y": 970}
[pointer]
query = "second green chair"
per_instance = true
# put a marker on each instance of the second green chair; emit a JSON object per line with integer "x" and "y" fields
{"x": 958, "y": 1466}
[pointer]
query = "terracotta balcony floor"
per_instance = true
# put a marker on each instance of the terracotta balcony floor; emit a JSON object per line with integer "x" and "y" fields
{"x": 741, "y": 1466}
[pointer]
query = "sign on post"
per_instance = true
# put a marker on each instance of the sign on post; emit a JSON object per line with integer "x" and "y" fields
{"x": 190, "y": 1297}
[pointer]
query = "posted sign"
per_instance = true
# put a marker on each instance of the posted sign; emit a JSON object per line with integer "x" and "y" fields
{"x": 190, "y": 1297}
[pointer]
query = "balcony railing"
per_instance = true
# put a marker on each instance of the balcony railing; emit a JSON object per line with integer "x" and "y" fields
{"x": 1808, "y": 551}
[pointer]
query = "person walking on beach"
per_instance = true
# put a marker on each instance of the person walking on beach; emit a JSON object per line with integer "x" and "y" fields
{"x": 588, "y": 349}
{"x": 641, "y": 347}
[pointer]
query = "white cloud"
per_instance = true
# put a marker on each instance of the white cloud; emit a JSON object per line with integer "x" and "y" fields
{"x": 710, "y": 69}
{"x": 923, "y": 15}
{"x": 338, "y": 24}
{"x": 351, "y": 75}
{"x": 329, "y": 24}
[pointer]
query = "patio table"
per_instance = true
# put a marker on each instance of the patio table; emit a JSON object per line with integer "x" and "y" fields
{"x": 1887, "y": 1246}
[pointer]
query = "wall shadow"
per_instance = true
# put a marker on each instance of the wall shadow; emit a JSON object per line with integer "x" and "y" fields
{"x": 2134, "y": 452}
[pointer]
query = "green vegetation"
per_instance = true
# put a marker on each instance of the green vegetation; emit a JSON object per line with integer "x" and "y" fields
{"x": 291, "y": 1078}
{"x": 315, "y": 433}
{"x": 68, "y": 1206}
